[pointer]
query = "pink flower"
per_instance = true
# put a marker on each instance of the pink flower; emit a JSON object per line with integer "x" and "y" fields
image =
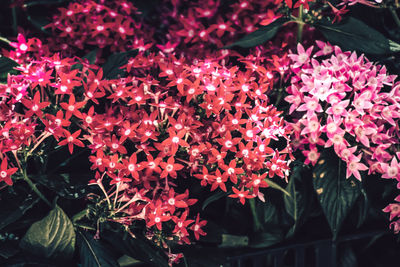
{"x": 302, "y": 57}
{"x": 354, "y": 167}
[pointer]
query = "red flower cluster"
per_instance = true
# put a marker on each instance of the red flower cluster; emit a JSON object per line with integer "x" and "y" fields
{"x": 112, "y": 24}
{"x": 167, "y": 119}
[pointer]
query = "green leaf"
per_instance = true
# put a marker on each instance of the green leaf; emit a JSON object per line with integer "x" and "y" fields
{"x": 91, "y": 57}
{"x": 111, "y": 69}
{"x": 67, "y": 185}
{"x": 39, "y": 22}
{"x": 45, "y": 2}
{"x": 138, "y": 248}
{"x": 362, "y": 206}
{"x": 298, "y": 204}
{"x": 6, "y": 66}
{"x": 261, "y": 35}
{"x": 13, "y": 209}
{"x": 93, "y": 253}
{"x": 274, "y": 185}
{"x": 52, "y": 237}
{"x": 214, "y": 197}
{"x": 265, "y": 239}
{"x": 354, "y": 35}
{"x": 347, "y": 257}
{"x": 336, "y": 194}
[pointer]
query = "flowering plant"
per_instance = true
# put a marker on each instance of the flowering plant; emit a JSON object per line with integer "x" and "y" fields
{"x": 131, "y": 128}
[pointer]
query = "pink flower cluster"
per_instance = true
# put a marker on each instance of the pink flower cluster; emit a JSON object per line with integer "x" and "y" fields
{"x": 343, "y": 100}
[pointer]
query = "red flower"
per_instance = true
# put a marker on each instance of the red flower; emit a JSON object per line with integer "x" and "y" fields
{"x": 170, "y": 168}
{"x": 196, "y": 227}
{"x": 242, "y": 195}
{"x": 5, "y": 174}
{"x": 71, "y": 140}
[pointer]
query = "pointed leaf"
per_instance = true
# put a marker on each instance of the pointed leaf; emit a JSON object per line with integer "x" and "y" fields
{"x": 40, "y": 22}
{"x": 260, "y": 36}
{"x": 354, "y": 35}
{"x": 91, "y": 57}
{"x": 214, "y": 197}
{"x": 13, "y": 209}
{"x": 6, "y": 66}
{"x": 51, "y": 237}
{"x": 299, "y": 203}
{"x": 93, "y": 253}
{"x": 111, "y": 69}
{"x": 138, "y": 248}
{"x": 276, "y": 186}
{"x": 336, "y": 194}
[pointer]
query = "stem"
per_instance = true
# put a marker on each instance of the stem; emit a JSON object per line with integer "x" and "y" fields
{"x": 43, "y": 136}
{"x": 35, "y": 189}
{"x": 80, "y": 215}
{"x": 395, "y": 16}
{"x": 279, "y": 98}
{"x": 257, "y": 224}
{"x": 31, "y": 184}
{"x": 301, "y": 24}
{"x": 5, "y": 40}
{"x": 87, "y": 227}
{"x": 116, "y": 196}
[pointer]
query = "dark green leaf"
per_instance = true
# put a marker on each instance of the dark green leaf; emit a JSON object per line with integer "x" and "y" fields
{"x": 45, "y": 2}
{"x": 93, "y": 253}
{"x": 138, "y": 248}
{"x": 354, "y": 35}
{"x": 39, "y": 22}
{"x": 298, "y": 204}
{"x": 13, "y": 209}
{"x": 347, "y": 257}
{"x": 260, "y": 36}
{"x": 8, "y": 248}
{"x": 51, "y": 237}
{"x": 6, "y": 65}
{"x": 336, "y": 194}
{"x": 362, "y": 206}
{"x": 274, "y": 185}
{"x": 273, "y": 236}
{"x": 234, "y": 241}
{"x": 213, "y": 197}
{"x": 67, "y": 185}
{"x": 111, "y": 69}
{"x": 91, "y": 57}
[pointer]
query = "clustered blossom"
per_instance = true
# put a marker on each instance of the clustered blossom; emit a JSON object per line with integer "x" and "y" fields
{"x": 341, "y": 100}
{"x": 166, "y": 119}
{"x": 199, "y": 28}
{"x": 112, "y": 24}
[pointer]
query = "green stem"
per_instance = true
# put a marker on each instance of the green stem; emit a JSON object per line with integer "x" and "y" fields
{"x": 5, "y": 40}
{"x": 301, "y": 24}
{"x": 87, "y": 227}
{"x": 395, "y": 16}
{"x": 80, "y": 215}
{"x": 257, "y": 224}
{"x": 35, "y": 189}
{"x": 32, "y": 184}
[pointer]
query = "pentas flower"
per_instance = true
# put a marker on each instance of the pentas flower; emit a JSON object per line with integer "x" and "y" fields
{"x": 359, "y": 111}
{"x": 5, "y": 173}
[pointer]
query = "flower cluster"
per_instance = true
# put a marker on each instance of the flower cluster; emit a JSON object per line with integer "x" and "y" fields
{"x": 345, "y": 101}
{"x": 112, "y": 24}
{"x": 165, "y": 120}
{"x": 204, "y": 26}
